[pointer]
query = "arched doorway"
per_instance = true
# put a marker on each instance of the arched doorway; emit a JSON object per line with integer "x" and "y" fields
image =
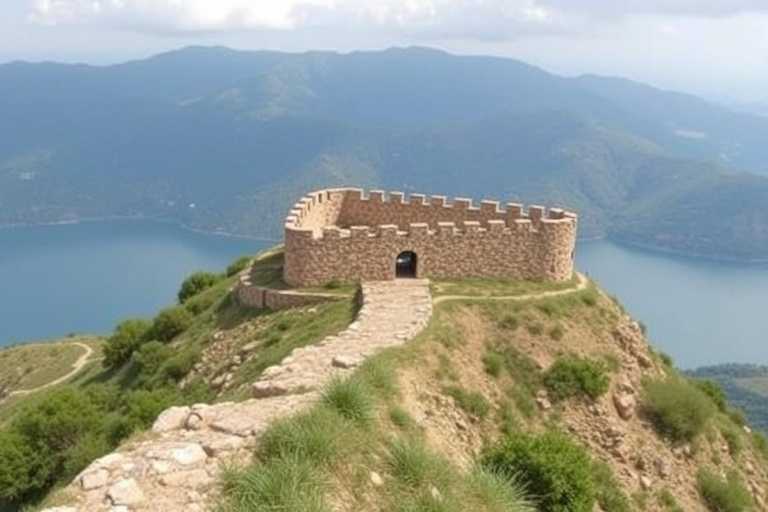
{"x": 405, "y": 264}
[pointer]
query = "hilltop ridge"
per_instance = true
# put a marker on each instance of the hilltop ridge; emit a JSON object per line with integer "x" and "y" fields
{"x": 429, "y": 423}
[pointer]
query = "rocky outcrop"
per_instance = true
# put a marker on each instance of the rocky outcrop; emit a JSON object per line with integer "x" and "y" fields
{"x": 175, "y": 466}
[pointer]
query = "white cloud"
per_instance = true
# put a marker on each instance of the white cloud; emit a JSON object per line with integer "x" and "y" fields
{"x": 482, "y": 19}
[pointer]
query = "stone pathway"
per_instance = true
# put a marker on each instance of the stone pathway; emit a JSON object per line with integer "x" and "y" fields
{"x": 176, "y": 466}
{"x": 581, "y": 285}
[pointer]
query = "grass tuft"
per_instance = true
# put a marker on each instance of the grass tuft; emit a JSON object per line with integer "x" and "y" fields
{"x": 351, "y": 399}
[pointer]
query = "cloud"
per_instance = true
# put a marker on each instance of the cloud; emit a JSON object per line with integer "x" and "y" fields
{"x": 473, "y": 19}
{"x": 495, "y": 19}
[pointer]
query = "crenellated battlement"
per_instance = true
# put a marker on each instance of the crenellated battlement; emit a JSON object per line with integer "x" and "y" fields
{"x": 344, "y": 210}
{"x": 345, "y": 234}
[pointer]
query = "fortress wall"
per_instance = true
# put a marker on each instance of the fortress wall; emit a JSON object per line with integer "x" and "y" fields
{"x": 379, "y": 208}
{"x": 343, "y": 235}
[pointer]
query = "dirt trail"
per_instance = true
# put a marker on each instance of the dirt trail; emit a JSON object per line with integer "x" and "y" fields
{"x": 77, "y": 366}
{"x": 582, "y": 285}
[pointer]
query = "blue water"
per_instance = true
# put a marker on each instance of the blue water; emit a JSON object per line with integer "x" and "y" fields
{"x": 84, "y": 277}
{"x": 700, "y": 312}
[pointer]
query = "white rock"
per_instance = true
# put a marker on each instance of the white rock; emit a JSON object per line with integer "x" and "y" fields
{"x": 376, "y": 479}
{"x": 189, "y": 454}
{"x": 645, "y": 482}
{"x": 345, "y": 362}
{"x": 171, "y": 419}
{"x": 94, "y": 479}
{"x": 126, "y": 492}
{"x": 60, "y": 509}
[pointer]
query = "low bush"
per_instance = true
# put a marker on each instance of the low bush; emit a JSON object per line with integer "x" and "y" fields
{"x": 127, "y": 337}
{"x": 412, "y": 465}
{"x": 723, "y": 494}
{"x": 351, "y": 399}
{"x": 196, "y": 283}
{"x": 679, "y": 410}
{"x": 495, "y": 492}
{"x": 400, "y": 417}
{"x": 494, "y": 364}
{"x": 669, "y": 501}
{"x": 470, "y": 401}
{"x": 732, "y": 436}
{"x": 557, "y": 332}
{"x": 713, "y": 390}
{"x": 317, "y": 436}
{"x": 553, "y": 469}
{"x": 572, "y": 375}
{"x": 610, "y": 496}
{"x": 509, "y": 322}
{"x": 238, "y": 265}
{"x": 169, "y": 323}
{"x": 282, "y": 483}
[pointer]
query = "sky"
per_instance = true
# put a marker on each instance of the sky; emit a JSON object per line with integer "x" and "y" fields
{"x": 714, "y": 48}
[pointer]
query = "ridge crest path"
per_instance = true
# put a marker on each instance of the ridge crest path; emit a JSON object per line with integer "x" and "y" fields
{"x": 177, "y": 467}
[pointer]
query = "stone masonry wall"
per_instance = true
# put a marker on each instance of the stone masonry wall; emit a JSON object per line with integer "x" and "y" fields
{"x": 340, "y": 234}
{"x": 250, "y": 295}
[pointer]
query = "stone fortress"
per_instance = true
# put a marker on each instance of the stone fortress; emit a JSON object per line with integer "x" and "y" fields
{"x": 343, "y": 235}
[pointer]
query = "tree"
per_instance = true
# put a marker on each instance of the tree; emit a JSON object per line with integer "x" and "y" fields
{"x": 128, "y": 335}
{"x": 196, "y": 283}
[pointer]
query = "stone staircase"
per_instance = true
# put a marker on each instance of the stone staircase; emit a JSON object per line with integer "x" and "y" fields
{"x": 175, "y": 467}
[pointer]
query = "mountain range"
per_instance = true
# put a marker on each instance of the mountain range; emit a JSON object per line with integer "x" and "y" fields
{"x": 226, "y": 140}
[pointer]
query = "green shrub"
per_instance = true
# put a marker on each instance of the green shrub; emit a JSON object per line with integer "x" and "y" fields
{"x": 127, "y": 337}
{"x": 713, "y": 390}
{"x": 573, "y": 375}
{"x": 610, "y": 496}
{"x": 536, "y": 328}
{"x": 760, "y": 443}
{"x": 142, "y": 406}
{"x": 400, "y": 417}
{"x": 557, "y": 332}
{"x": 470, "y": 401}
{"x": 723, "y": 494}
{"x": 738, "y": 417}
{"x": 509, "y": 322}
{"x": 180, "y": 364}
{"x": 733, "y": 439}
{"x": 494, "y": 364}
{"x": 238, "y": 265}
{"x": 283, "y": 483}
{"x": 412, "y": 465}
{"x": 379, "y": 375}
{"x": 351, "y": 399}
{"x": 169, "y": 323}
{"x": 196, "y": 283}
{"x": 554, "y": 470}
{"x": 669, "y": 501}
{"x": 495, "y": 492}
{"x": 678, "y": 409}
{"x": 665, "y": 358}
{"x": 318, "y": 436}
{"x": 151, "y": 356}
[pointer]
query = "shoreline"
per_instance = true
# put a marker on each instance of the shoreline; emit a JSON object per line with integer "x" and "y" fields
{"x": 616, "y": 240}
{"x": 138, "y": 218}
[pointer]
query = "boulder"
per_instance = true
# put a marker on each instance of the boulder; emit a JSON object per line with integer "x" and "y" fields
{"x": 625, "y": 404}
{"x": 173, "y": 418}
{"x": 94, "y": 479}
{"x": 126, "y": 492}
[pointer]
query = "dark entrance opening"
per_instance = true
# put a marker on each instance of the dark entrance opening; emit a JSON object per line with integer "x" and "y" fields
{"x": 405, "y": 264}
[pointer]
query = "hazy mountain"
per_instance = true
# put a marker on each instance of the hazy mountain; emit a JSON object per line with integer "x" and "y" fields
{"x": 225, "y": 140}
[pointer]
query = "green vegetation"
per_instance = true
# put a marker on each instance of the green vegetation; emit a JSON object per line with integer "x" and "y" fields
{"x": 553, "y": 469}
{"x": 470, "y": 401}
{"x": 196, "y": 284}
{"x": 713, "y": 390}
{"x": 494, "y": 364}
{"x": 724, "y": 494}
{"x": 351, "y": 399}
{"x": 126, "y": 338}
{"x": 609, "y": 494}
{"x": 238, "y": 265}
{"x": 572, "y": 375}
{"x": 27, "y": 367}
{"x": 679, "y": 409}
{"x": 668, "y": 500}
{"x": 169, "y": 323}
{"x": 497, "y": 287}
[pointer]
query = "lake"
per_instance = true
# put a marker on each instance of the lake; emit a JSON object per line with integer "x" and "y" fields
{"x": 85, "y": 277}
{"x": 700, "y": 312}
